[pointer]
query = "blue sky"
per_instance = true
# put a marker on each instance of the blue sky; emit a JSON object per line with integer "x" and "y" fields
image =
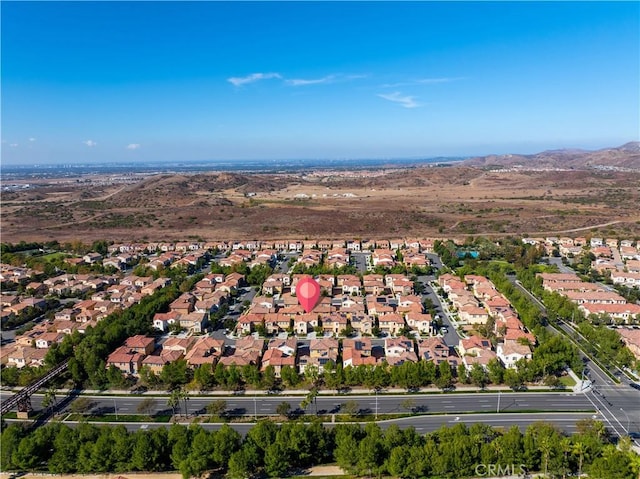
{"x": 164, "y": 81}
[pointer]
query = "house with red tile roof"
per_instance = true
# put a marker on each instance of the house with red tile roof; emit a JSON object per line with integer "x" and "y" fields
{"x": 620, "y": 312}
{"x": 45, "y": 340}
{"x": 140, "y": 344}
{"x": 510, "y": 352}
{"x": 399, "y": 350}
{"x": 247, "y": 351}
{"x": 474, "y": 344}
{"x": 420, "y": 322}
{"x": 205, "y": 350}
{"x": 356, "y": 352}
{"x": 280, "y": 353}
{"x": 436, "y": 350}
{"x": 362, "y": 323}
{"x": 157, "y": 361}
{"x": 631, "y": 339}
{"x": 391, "y": 323}
{"x": 334, "y": 323}
{"x": 482, "y": 358}
{"x": 126, "y": 360}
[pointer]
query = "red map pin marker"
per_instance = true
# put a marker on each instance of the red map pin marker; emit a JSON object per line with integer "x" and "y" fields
{"x": 308, "y": 293}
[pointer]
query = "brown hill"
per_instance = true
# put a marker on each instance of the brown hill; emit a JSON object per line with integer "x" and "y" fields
{"x": 626, "y": 156}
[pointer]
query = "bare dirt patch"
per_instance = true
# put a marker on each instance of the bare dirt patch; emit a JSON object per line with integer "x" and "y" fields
{"x": 421, "y": 201}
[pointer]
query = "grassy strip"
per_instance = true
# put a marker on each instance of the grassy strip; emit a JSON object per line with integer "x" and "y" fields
{"x": 327, "y": 418}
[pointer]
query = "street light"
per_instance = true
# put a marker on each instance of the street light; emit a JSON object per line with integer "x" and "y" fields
{"x": 255, "y": 407}
{"x": 628, "y": 421}
{"x": 498, "y": 408}
{"x": 186, "y": 409}
{"x": 115, "y": 408}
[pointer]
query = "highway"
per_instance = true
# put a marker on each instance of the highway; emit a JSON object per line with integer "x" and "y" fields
{"x": 260, "y": 405}
{"x": 619, "y": 404}
{"x": 422, "y": 424}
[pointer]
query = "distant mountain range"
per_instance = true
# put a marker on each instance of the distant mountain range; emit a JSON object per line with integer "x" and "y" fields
{"x": 625, "y": 156}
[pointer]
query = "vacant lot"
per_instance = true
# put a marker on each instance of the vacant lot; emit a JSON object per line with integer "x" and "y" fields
{"x": 439, "y": 201}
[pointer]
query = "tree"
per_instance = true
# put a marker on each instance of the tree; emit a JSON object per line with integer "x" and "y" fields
{"x": 242, "y": 463}
{"x": 463, "y": 376}
{"x": 443, "y": 381}
{"x": 9, "y": 440}
{"x": 289, "y": 376}
{"x": 269, "y": 378}
{"x": 351, "y": 407}
{"x": 579, "y": 449}
{"x": 409, "y": 404}
{"x": 49, "y": 400}
{"x": 174, "y": 399}
{"x": 512, "y": 379}
{"x": 81, "y": 405}
{"x": 275, "y": 460}
{"x": 226, "y": 441}
{"x": 478, "y": 376}
{"x": 613, "y": 464}
{"x": 217, "y": 407}
{"x": 495, "y": 371}
{"x": 283, "y": 409}
{"x": 146, "y": 406}
{"x": 203, "y": 376}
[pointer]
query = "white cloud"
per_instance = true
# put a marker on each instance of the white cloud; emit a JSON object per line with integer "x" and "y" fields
{"x": 32, "y": 139}
{"x": 254, "y": 77}
{"x": 316, "y": 81}
{"x": 133, "y": 146}
{"x": 90, "y": 143}
{"x": 422, "y": 81}
{"x": 333, "y": 78}
{"x": 397, "y": 97}
{"x": 13, "y": 145}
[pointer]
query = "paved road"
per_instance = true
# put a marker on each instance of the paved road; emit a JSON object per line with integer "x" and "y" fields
{"x": 422, "y": 424}
{"x": 619, "y": 403}
{"x": 367, "y": 404}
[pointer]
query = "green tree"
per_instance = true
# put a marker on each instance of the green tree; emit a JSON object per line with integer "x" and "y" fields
{"x": 269, "y": 378}
{"x": 289, "y": 376}
{"x": 174, "y": 399}
{"x": 9, "y": 440}
{"x": 495, "y": 371}
{"x": 217, "y": 407}
{"x": 478, "y": 376}
{"x": 283, "y": 409}
{"x": 49, "y": 400}
{"x": 226, "y": 441}
{"x": 275, "y": 460}
{"x": 243, "y": 463}
{"x": 146, "y": 406}
{"x": 81, "y": 405}
{"x": 445, "y": 377}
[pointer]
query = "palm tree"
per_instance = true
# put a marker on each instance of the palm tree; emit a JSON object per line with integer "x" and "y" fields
{"x": 174, "y": 399}
{"x": 545, "y": 448}
{"x": 579, "y": 449}
{"x": 565, "y": 446}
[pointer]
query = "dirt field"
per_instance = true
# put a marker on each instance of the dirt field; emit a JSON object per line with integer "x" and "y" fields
{"x": 440, "y": 201}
